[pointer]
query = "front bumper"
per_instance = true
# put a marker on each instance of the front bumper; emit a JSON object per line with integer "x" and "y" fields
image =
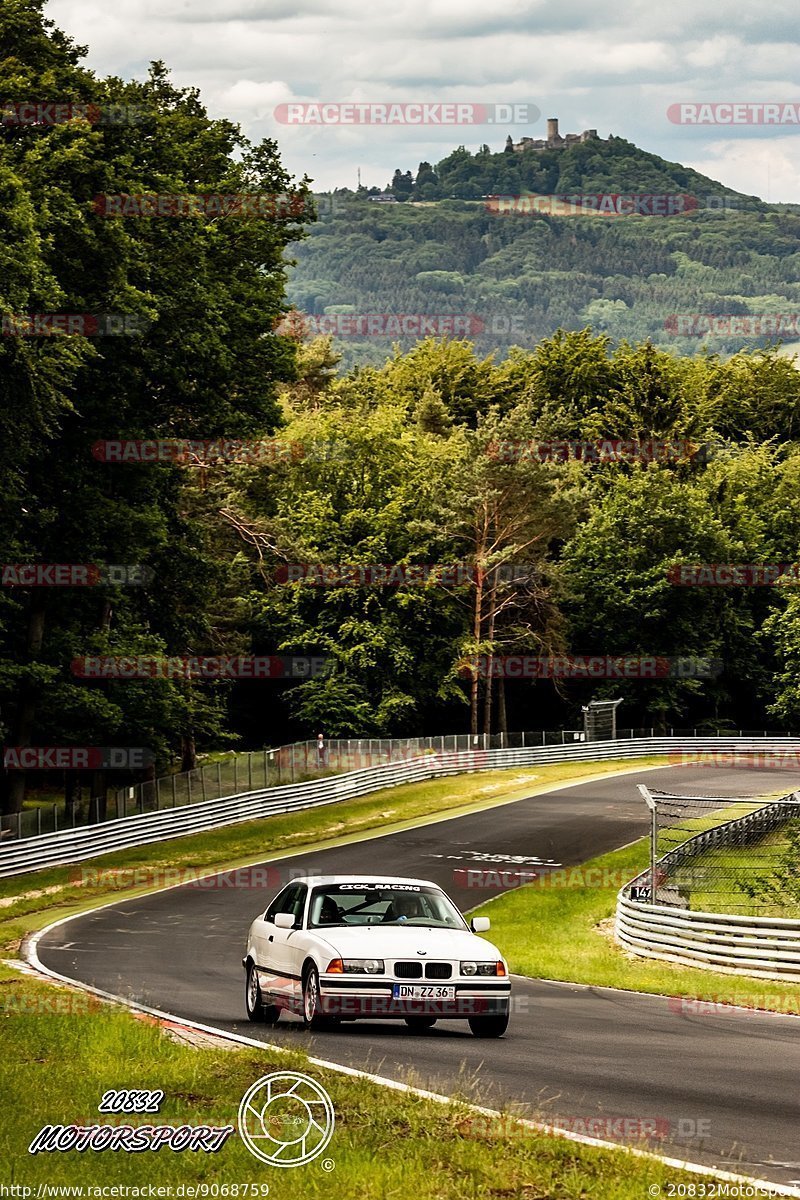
{"x": 360, "y": 999}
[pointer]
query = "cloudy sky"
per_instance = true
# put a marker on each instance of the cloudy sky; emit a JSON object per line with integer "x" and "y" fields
{"x": 616, "y": 68}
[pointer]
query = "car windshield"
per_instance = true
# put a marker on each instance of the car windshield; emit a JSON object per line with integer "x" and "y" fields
{"x": 382, "y": 904}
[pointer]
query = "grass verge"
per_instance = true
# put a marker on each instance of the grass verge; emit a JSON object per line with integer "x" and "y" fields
{"x": 55, "y": 1070}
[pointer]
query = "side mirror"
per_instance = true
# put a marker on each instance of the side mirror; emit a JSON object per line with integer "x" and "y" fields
{"x": 480, "y": 924}
{"x": 284, "y": 920}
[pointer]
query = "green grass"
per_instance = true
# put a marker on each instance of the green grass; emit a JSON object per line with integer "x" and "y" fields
{"x": 386, "y": 1144}
{"x": 566, "y": 933}
{"x": 715, "y": 874}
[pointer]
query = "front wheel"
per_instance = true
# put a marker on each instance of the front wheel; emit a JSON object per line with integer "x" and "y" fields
{"x": 489, "y": 1027}
{"x": 419, "y": 1023}
{"x": 313, "y": 1016}
{"x": 257, "y": 1011}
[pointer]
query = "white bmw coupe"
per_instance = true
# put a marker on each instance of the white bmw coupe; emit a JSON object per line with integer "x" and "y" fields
{"x": 340, "y": 947}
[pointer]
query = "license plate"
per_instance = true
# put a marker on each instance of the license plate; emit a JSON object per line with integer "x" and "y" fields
{"x": 422, "y": 991}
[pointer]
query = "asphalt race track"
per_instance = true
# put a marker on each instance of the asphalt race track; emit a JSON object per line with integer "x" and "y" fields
{"x": 572, "y": 1053}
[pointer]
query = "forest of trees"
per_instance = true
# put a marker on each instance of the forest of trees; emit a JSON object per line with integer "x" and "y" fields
{"x": 397, "y": 461}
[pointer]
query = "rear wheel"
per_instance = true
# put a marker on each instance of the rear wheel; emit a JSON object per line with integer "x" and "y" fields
{"x": 257, "y": 1010}
{"x": 489, "y": 1027}
{"x": 419, "y": 1023}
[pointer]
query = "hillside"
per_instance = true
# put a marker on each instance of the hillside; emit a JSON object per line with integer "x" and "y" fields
{"x": 517, "y": 276}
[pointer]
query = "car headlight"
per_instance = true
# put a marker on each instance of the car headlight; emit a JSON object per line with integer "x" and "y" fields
{"x": 363, "y": 966}
{"x": 482, "y": 968}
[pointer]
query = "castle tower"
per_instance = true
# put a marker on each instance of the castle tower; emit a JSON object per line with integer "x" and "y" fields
{"x": 552, "y": 129}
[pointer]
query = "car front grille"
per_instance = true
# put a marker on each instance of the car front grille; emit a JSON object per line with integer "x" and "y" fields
{"x": 408, "y": 970}
{"x": 413, "y": 970}
{"x": 438, "y": 970}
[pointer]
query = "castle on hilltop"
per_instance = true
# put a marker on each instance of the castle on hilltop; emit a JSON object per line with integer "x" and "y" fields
{"x": 554, "y": 140}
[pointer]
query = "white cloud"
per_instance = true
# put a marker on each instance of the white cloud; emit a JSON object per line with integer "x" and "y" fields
{"x": 616, "y": 68}
{"x": 767, "y": 167}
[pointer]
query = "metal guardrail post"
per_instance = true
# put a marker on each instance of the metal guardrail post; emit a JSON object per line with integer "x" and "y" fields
{"x": 174, "y": 791}
{"x": 219, "y": 781}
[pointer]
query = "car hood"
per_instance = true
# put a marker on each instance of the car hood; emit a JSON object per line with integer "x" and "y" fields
{"x": 393, "y": 941}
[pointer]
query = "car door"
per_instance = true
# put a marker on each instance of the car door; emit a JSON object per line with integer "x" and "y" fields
{"x": 280, "y": 970}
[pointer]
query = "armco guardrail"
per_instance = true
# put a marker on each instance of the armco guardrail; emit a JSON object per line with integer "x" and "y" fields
{"x": 763, "y": 947}
{"x": 75, "y": 845}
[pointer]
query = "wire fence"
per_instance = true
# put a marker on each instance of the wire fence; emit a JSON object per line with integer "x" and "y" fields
{"x": 258, "y": 769}
{"x": 723, "y": 854}
{"x": 295, "y": 763}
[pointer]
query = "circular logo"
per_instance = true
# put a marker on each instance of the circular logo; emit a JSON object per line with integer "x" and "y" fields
{"x": 286, "y": 1119}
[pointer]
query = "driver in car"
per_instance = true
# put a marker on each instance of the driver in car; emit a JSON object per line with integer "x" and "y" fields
{"x": 329, "y": 913}
{"x": 403, "y": 908}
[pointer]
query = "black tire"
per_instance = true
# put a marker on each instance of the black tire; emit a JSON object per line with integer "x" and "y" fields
{"x": 313, "y": 1017}
{"x": 419, "y": 1023}
{"x": 257, "y": 1011}
{"x": 489, "y": 1027}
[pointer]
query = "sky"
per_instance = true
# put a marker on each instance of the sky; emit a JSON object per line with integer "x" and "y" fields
{"x": 615, "y": 68}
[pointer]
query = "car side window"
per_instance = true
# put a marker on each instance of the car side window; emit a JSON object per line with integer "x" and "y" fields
{"x": 286, "y": 901}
